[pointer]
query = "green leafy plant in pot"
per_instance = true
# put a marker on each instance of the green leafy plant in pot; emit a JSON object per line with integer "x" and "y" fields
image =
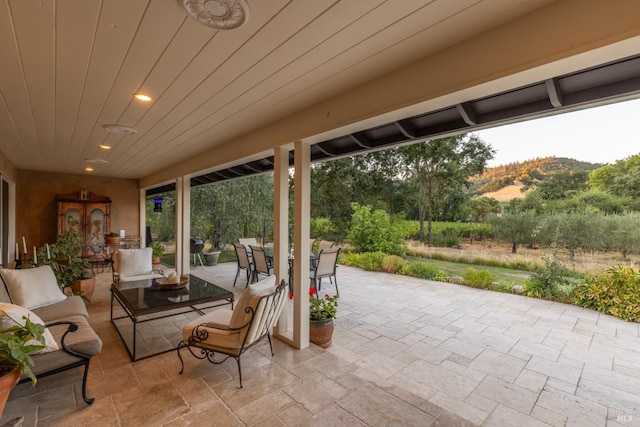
{"x": 112, "y": 238}
{"x": 16, "y": 343}
{"x": 157, "y": 250}
{"x": 67, "y": 266}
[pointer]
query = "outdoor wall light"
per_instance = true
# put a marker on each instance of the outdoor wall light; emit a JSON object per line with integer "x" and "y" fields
{"x": 157, "y": 204}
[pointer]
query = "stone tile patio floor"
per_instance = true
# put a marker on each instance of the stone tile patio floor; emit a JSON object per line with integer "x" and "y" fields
{"x": 406, "y": 352}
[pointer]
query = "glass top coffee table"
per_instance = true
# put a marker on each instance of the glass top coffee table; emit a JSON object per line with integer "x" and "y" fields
{"x": 143, "y": 301}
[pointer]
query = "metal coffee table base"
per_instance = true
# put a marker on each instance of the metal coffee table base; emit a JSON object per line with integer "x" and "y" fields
{"x": 131, "y": 349}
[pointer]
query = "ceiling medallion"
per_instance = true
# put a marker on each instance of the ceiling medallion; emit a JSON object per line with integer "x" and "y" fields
{"x": 219, "y": 14}
{"x": 120, "y": 129}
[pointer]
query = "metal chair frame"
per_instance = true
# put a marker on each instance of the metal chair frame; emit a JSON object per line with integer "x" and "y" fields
{"x": 325, "y": 267}
{"x": 244, "y": 262}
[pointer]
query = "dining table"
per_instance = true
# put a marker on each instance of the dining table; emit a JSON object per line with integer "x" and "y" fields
{"x": 313, "y": 258}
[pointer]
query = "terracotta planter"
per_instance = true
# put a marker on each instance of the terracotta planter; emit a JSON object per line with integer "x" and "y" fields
{"x": 7, "y": 383}
{"x": 155, "y": 260}
{"x": 321, "y": 332}
{"x": 111, "y": 241}
{"x": 85, "y": 287}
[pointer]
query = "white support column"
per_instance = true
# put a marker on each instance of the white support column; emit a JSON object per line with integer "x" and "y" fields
{"x": 143, "y": 219}
{"x": 281, "y": 231}
{"x": 183, "y": 225}
{"x": 301, "y": 212}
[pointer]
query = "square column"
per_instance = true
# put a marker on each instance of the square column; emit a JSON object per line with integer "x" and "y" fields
{"x": 281, "y": 232}
{"x": 301, "y": 251}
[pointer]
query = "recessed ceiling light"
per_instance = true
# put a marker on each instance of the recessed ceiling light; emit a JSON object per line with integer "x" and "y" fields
{"x": 142, "y": 97}
{"x": 89, "y": 169}
{"x": 105, "y": 146}
{"x": 96, "y": 161}
{"x": 120, "y": 129}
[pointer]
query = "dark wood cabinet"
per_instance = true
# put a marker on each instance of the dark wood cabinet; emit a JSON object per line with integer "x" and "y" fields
{"x": 87, "y": 213}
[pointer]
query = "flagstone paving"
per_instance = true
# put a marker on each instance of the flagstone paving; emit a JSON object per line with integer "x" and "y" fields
{"x": 405, "y": 352}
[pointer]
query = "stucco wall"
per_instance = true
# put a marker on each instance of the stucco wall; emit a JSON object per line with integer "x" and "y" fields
{"x": 36, "y": 209}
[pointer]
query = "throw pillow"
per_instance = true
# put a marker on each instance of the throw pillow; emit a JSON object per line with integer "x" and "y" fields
{"x": 134, "y": 262}
{"x": 12, "y": 315}
{"x": 32, "y": 287}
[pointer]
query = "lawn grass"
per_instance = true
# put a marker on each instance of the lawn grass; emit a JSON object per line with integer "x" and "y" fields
{"x": 455, "y": 269}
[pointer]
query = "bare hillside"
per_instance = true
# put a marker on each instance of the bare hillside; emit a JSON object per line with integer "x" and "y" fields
{"x": 507, "y": 193}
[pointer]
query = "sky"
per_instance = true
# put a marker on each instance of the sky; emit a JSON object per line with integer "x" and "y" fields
{"x": 597, "y": 135}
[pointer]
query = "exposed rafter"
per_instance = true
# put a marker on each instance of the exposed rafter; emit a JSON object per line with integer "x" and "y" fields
{"x": 596, "y": 85}
{"x": 466, "y": 112}
{"x": 555, "y": 96}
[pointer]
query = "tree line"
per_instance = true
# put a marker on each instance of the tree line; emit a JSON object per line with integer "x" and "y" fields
{"x": 427, "y": 181}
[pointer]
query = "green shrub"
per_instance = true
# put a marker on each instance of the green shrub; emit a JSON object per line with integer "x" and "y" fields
{"x": 374, "y": 231}
{"x": 615, "y": 292}
{"x": 322, "y": 228}
{"x": 442, "y": 276}
{"x": 392, "y": 264}
{"x": 421, "y": 270}
{"x": 506, "y": 287}
{"x": 478, "y": 278}
{"x": 351, "y": 259}
{"x": 449, "y": 237}
{"x": 371, "y": 261}
{"x": 551, "y": 280}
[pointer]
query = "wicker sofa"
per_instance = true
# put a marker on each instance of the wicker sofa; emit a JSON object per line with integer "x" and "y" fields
{"x": 71, "y": 341}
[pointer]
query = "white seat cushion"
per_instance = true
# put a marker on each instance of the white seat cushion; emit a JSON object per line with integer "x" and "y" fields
{"x": 32, "y": 287}
{"x": 12, "y": 315}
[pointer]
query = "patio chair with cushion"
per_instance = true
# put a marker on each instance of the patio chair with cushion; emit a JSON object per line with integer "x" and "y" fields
{"x": 261, "y": 265}
{"x": 134, "y": 264}
{"x": 232, "y": 333}
{"x": 325, "y": 267}
{"x": 244, "y": 262}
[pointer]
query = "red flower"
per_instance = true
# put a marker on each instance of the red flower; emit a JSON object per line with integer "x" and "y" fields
{"x": 312, "y": 291}
{"x": 291, "y": 295}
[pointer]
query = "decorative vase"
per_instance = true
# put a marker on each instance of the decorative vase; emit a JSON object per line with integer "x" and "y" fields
{"x": 321, "y": 332}
{"x": 7, "y": 383}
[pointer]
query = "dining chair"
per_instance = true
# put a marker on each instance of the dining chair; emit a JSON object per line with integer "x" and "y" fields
{"x": 325, "y": 267}
{"x": 244, "y": 262}
{"x": 260, "y": 263}
{"x": 248, "y": 241}
{"x": 324, "y": 244}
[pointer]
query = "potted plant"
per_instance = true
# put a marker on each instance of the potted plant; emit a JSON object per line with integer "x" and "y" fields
{"x": 157, "y": 251}
{"x": 112, "y": 239}
{"x": 70, "y": 269}
{"x": 322, "y": 312}
{"x": 211, "y": 256}
{"x": 16, "y": 343}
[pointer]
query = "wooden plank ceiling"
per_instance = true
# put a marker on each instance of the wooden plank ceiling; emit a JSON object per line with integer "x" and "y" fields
{"x": 69, "y": 67}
